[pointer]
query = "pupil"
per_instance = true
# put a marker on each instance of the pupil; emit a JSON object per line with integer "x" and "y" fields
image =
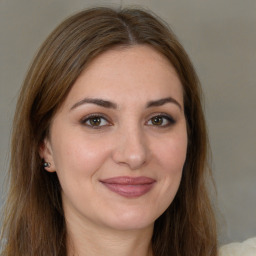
{"x": 95, "y": 121}
{"x": 157, "y": 120}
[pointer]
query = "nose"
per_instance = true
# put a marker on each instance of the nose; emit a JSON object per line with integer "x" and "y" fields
{"x": 131, "y": 149}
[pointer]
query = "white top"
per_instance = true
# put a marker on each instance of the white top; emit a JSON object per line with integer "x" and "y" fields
{"x": 246, "y": 248}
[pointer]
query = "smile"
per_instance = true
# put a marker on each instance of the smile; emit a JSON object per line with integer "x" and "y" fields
{"x": 129, "y": 186}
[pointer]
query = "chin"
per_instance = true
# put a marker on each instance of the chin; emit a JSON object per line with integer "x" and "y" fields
{"x": 131, "y": 221}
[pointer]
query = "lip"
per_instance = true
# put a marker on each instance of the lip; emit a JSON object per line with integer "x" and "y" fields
{"x": 129, "y": 186}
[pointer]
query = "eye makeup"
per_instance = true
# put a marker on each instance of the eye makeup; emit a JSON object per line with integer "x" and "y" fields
{"x": 95, "y": 121}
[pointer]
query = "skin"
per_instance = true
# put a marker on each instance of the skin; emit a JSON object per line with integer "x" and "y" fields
{"x": 124, "y": 140}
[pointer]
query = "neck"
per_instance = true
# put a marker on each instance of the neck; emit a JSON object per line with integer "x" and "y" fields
{"x": 91, "y": 241}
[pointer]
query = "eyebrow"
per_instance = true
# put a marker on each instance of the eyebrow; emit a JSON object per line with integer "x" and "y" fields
{"x": 99, "y": 102}
{"x": 109, "y": 104}
{"x": 161, "y": 102}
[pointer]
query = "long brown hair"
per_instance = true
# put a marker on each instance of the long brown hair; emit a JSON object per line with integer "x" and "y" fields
{"x": 34, "y": 220}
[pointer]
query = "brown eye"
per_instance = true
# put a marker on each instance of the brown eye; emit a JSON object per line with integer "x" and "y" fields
{"x": 157, "y": 120}
{"x": 95, "y": 121}
{"x": 161, "y": 121}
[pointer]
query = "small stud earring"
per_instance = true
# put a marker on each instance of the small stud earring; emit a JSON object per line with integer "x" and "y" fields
{"x": 46, "y": 164}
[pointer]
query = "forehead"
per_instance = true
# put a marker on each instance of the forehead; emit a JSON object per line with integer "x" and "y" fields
{"x": 138, "y": 72}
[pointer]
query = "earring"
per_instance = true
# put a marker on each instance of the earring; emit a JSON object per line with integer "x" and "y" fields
{"x": 46, "y": 164}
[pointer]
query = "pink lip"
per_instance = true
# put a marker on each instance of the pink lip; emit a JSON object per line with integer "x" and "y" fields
{"x": 129, "y": 186}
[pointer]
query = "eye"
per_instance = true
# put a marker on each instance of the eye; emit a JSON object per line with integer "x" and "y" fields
{"x": 161, "y": 121}
{"x": 95, "y": 121}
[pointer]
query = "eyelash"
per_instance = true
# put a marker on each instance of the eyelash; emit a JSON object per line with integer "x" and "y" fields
{"x": 167, "y": 119}
{"x": 95, "y": 116}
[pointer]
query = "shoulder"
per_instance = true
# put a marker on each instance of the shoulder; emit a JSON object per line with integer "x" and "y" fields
{"x": 246, "y": 248}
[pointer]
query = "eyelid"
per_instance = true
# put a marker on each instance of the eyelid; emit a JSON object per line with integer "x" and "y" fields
{"x": 99, "y": 115}
{"x": 169, "y": 118}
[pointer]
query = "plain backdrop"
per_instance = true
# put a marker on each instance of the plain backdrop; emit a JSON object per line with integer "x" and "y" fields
{"x": 219, "y": 36}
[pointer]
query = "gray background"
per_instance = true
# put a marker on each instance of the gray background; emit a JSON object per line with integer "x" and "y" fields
{"x": 220, "y": 37}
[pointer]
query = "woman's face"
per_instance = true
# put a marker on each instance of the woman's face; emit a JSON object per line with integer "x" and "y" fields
{"x": 119, "y": 141}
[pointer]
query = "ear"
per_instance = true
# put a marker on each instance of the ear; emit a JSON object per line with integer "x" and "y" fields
{"x": 46, "y": 153}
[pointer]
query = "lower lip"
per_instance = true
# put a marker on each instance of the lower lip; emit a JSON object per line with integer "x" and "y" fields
{"x": 128, "y": 190}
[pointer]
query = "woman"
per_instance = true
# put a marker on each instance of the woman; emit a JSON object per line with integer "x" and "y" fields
{"x": 109, "y": 146}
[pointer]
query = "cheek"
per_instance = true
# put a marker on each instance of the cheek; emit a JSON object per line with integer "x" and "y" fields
{"x": 78, "y": 162}
{"x": 170, "y": 156}
{"x": 77, "y": 155}
{"x": 171, "y": 153}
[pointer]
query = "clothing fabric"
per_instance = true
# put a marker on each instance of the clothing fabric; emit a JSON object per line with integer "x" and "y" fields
{"x": 246, "y": 248}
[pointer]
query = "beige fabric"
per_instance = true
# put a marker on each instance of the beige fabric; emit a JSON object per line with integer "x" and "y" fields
{"x": 247, "y": 248}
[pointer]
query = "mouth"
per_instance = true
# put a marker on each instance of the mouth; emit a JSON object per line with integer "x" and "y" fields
{"x": 130, "y": 187}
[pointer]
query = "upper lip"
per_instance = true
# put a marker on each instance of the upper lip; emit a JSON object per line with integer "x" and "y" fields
{"x": 127, "y": 180}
